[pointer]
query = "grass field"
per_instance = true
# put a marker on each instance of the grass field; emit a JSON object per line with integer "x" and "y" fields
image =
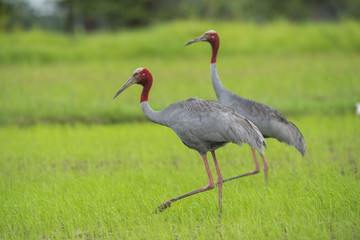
{"x": 74, "y": 164}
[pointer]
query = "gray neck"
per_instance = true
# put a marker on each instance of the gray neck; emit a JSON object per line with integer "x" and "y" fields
{"x": 152, "y": 115}
{"x": 219, "y": 88}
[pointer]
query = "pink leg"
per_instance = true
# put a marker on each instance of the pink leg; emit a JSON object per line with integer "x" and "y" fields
{"x": 210, "y": 186}
{"x": 265, "y": 168}
{"x": 219, "y": 181}
{"x": 257, "y": 169}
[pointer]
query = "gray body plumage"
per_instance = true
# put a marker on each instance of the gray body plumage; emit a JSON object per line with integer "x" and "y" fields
{"x": 269, "y": 121}
{"x": 205, "y": 125}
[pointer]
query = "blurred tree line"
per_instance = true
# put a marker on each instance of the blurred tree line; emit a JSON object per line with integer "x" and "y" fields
{"x": 90, "y": 15}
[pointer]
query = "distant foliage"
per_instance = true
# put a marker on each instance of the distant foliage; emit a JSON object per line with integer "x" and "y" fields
{"x": 91, "y": 15}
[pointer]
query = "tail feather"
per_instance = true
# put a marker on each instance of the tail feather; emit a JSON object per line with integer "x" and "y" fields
{"x": 259, "y": 137}
{"x": 297, "y": 139}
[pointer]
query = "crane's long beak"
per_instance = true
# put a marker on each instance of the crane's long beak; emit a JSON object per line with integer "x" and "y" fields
{"x": 128, "y": 83}
{"x": 198, "y": 39}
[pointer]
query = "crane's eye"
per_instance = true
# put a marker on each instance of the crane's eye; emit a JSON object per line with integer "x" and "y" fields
{"x": 212, "y": 36}
{"x": 143, "y": 74}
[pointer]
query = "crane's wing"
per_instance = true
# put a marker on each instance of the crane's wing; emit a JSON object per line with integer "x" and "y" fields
{"x": 206, "y": 125}
{"x": 269, "y": 121}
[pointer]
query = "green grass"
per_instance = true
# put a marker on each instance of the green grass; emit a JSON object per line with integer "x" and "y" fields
{"x": 46, "y": 77}
{"x": 105, "y": 181}
{"x": 166, "y": 41}
{"x": 74, "y": 164}
{"x": 82, "y": 92}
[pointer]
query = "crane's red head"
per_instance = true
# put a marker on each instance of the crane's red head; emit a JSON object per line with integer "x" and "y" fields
{"x": 140, "y": 76}
{"x": 213, "y": 38}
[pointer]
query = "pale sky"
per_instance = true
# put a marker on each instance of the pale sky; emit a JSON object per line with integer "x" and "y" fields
{"x": 43, "y": 7}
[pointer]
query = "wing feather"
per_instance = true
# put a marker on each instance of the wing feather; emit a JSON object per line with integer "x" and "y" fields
{"x": 203, "y": 122}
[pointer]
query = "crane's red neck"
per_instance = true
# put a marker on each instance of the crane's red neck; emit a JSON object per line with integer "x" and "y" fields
{"x": 214, "y": 40}
{"x": 146, "y": 81}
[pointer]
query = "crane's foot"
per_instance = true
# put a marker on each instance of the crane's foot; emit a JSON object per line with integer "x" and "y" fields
{"x": 163, "y": 206}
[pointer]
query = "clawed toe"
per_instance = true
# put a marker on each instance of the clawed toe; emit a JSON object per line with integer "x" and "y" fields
{"x": 162, "y": 207}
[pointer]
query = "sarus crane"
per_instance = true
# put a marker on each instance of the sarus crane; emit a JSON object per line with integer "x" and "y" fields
{"x": 202, "y": 125}
{"x": 269, "y": 121}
